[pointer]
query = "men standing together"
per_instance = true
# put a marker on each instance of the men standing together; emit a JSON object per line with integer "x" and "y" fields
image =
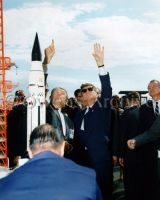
{"x": 92, "y": 124}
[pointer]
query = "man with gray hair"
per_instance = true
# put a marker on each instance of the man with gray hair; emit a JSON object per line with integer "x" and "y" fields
{"x": 48, "y": 175}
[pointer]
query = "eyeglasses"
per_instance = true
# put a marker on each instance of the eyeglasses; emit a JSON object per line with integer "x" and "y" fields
{"x": 90, "y": 89}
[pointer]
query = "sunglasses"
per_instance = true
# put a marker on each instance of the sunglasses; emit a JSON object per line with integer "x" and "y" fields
{"x": 90, "y": 89}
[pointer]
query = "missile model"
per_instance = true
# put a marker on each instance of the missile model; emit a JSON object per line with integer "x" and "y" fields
{"x": 36, "y": 108}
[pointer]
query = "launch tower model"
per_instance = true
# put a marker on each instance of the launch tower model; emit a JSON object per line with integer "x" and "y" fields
{"x": 36, "y": 108}
{"x": 5, "y": 63}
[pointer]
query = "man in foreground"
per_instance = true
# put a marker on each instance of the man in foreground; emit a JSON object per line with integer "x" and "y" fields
{"x": 47, "y": 175}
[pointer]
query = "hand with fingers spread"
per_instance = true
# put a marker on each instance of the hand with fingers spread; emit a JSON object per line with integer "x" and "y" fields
{"x": 98, "y": 54}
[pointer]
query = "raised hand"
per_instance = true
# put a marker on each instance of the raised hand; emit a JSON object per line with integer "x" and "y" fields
{"x": 98, "y": 54}
{"x": 49, "y": 53}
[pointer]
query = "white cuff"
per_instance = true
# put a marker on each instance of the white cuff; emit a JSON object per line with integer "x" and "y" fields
{"x": 45, "y": 68}
{"x": 102, "y": 71}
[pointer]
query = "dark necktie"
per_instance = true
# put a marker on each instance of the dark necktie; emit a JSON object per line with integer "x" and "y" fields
{"x": 157, "y": 109}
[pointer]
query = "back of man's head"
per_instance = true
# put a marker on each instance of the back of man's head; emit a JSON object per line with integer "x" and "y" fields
{"x": 46, "y": 138}
{"x": 133, "y": 95}
{"x": 134, "y": 98}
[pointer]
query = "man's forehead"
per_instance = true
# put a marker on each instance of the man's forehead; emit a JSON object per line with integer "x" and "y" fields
{"x": 152, "y": 84}
{"x": 60, "y": 90}
{"x": 88, "y": 86}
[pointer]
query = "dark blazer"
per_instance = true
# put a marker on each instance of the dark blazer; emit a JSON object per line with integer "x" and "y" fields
{"x": 147, "y": 118}
{"x": 94, "y": 140}
{"x": 96, "y": 135}
{"x": 49, "y": 176}
{"x": 131, "y": 171}
{"x": 129, "y": 122}
{"x": 17, "y": 131}
{"x": 150, "y": 135}
{"x": 53, "y": 118}
{"x": 148, "y": 154}
{"x": 115, "y": 130}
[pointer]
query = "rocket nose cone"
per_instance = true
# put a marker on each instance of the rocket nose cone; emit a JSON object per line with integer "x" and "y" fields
{"x": 36, "y": 50}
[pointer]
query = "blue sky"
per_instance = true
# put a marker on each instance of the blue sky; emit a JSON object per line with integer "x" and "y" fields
{"x": 129, "y": 32}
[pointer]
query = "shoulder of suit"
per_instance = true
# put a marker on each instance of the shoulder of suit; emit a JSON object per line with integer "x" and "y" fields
{"x": 148, "y": 104}
{"x": 74, "y": 167}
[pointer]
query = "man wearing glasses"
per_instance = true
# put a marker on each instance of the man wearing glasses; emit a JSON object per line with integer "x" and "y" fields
{"x": 92, "y": 127}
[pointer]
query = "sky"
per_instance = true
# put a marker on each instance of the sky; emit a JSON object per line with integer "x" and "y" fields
{"x": 128, "y": 30}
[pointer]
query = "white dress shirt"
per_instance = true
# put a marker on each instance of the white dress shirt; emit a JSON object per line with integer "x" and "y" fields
{"x": 62, "y": 121}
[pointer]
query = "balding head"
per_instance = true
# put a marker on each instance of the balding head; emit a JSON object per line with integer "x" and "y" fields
{"x": 46, "y": 138}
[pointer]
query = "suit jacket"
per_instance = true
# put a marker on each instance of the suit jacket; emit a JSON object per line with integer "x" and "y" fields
{"x": 95, "y": 138}
{"x": 148, "y": 155}
{"x": 53, "y": 118}
{"x": 49, "y": 176}
{"x": 115, "y": 130}
{"x": 17, "y": 131}
{"x": 150, "y": 135}
{"x": 147, "y": 118}
{"x": 128, "y": 129}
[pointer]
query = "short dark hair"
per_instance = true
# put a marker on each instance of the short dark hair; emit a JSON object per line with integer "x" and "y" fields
{"x": 19, "y": 95}
{"x": 133, "y": 95}
{"x": 45, "y": 133}
{"x": 76, "y": 92}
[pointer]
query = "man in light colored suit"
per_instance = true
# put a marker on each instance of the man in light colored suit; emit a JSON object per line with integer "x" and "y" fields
{"x": 47, "y": 175}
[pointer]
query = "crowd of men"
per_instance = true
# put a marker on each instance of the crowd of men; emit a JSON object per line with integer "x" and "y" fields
{"x": 99, "y": 132}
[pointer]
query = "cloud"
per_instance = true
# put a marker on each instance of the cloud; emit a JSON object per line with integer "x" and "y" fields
{"x": 63, "y": 79}
{"x": 152, "y": 16}
{"x": 126, "y": 40}
{"x": 49, "y": 21}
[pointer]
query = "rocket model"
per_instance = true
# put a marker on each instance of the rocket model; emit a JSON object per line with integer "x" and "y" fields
{"x": 36, "y": 108}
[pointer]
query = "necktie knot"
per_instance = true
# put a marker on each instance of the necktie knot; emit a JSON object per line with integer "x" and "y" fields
{"x": 87, "y": 109}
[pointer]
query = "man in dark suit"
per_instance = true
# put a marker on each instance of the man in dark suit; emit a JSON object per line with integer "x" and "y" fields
{"x": 149, "y": 156}
{"x": 57, "y": 117}
{"x": 17, "y": 129}
{"x": 150, "y": 135}
{"x": 129, "y": 121}
{"x": 92, "y": 127}
{"x": 47, "y": 175}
